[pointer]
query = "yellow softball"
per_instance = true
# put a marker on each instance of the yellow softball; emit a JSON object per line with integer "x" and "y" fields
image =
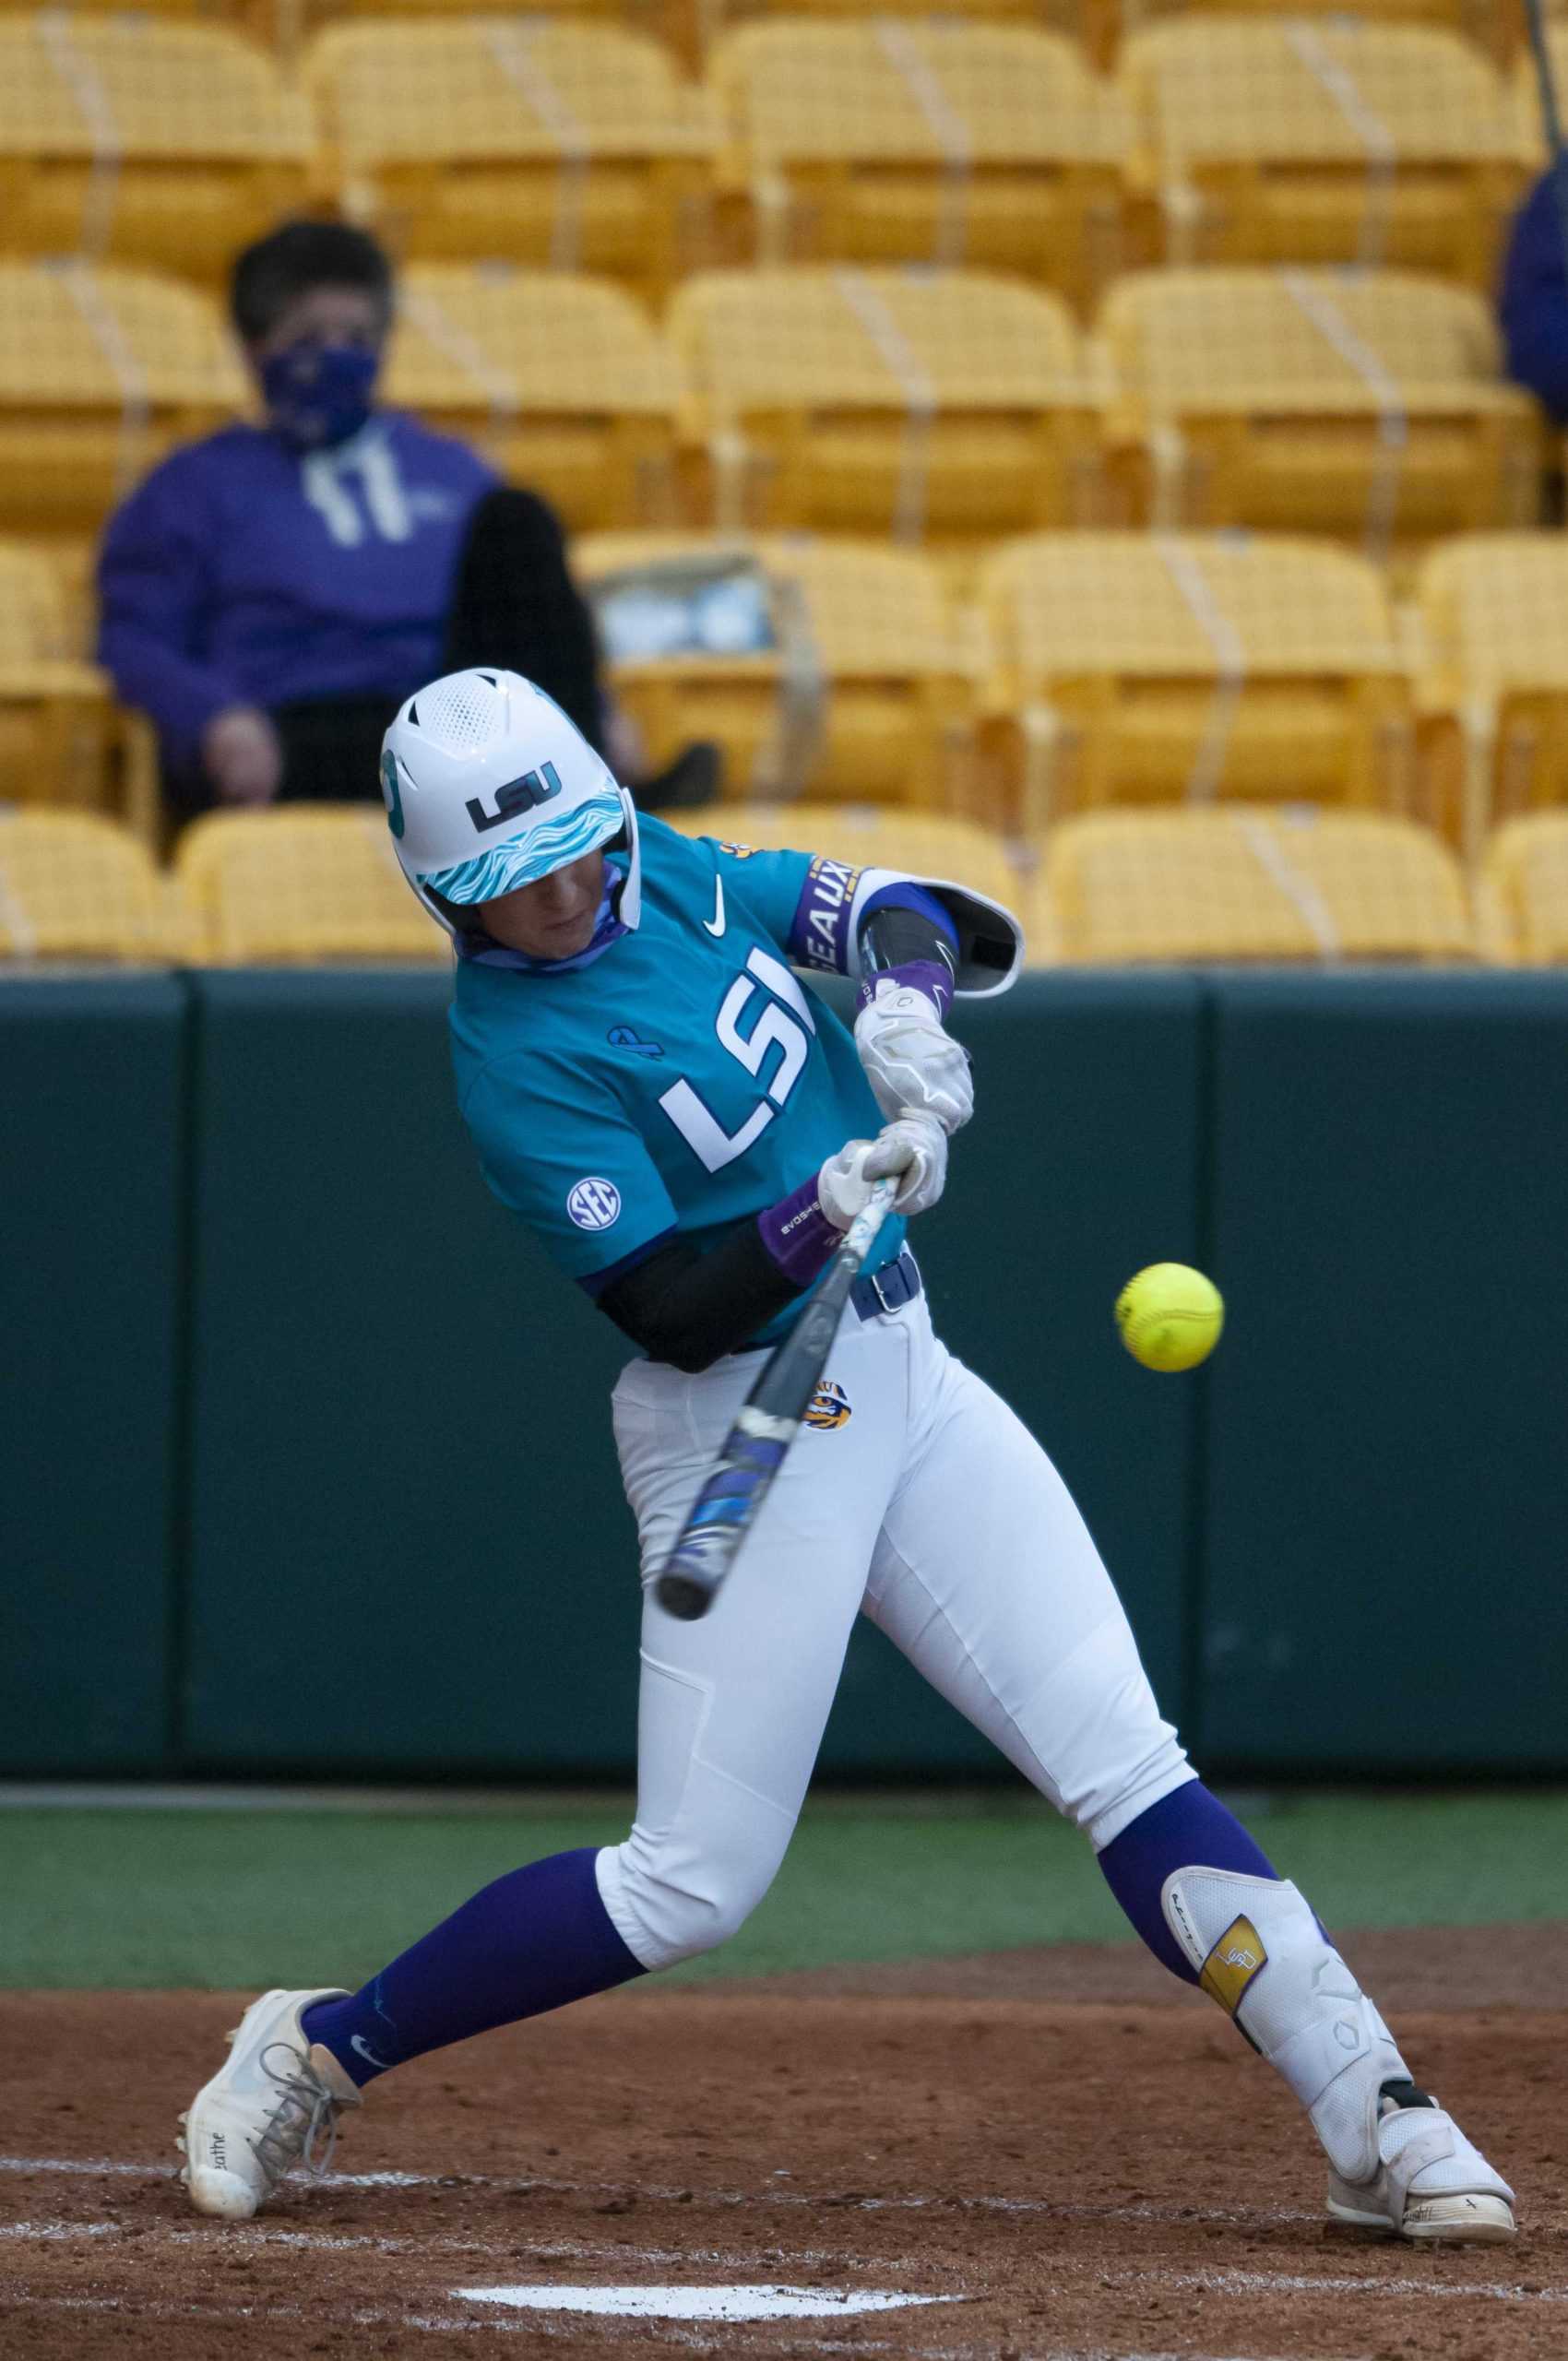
{"x": 1169, "y": 1316}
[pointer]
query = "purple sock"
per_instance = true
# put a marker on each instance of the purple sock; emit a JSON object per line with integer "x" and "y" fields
{"x": 537, "y": 1938}
{"x": 1186, "y": 1828}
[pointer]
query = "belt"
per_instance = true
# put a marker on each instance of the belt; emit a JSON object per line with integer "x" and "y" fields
{"x": 884, "y": 1290}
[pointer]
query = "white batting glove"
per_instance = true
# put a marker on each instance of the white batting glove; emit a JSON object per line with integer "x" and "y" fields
{"x": 913, "y": 1065}
{"x": 915, "y": 1148}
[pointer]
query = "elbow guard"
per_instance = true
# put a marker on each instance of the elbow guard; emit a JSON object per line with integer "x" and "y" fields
{"x": 990, "y": 940}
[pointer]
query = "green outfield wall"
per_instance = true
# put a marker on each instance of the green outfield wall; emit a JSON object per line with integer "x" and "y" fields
{"x": 307, "y": 1453}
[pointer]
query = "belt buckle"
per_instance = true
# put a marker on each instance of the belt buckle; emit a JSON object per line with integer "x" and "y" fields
{"x": 876, "y": 1285}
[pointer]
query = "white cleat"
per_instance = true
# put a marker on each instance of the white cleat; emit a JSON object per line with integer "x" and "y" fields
{"x": 274, "y": 2104}
{"x": 1432, "y": 2186}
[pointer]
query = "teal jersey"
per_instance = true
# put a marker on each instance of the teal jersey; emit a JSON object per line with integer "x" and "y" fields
{"x": 684, "y": 1079}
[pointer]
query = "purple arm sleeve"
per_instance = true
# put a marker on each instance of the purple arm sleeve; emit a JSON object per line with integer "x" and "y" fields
{"x": 798, "y": 1234}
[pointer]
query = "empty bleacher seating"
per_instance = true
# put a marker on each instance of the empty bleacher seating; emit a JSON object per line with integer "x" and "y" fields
{"x": 123, "y": 139}
{"x": 299, "y": 887}
{"x": 1495, "y": 26}
{"x": 949, "y": 404}
{"x": 1252, "y": 882}
{"x": 566, "y": 146}
{"x": 102, "y": 371}
{"x": 1522, "y": 893}
{"x": 57, "y": 720}
{"x": 1335, "y": 140}
{"x": 75, "y": 887}
{"x": 1494, "y": 620}
{"x": 862, "y": 687}
{"x": 889, "y": 139}
{"x": 1367, "y": 405}
{"x": 678, "y": 24}
{"x": 1141, "y": 668}
{"x": 561, "y": 381}
{"x": 1091, "y": 23}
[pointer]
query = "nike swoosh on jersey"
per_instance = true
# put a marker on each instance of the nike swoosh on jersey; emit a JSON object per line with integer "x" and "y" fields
{"x": 361, "y": 2048}
{"x": 715, "y": 925}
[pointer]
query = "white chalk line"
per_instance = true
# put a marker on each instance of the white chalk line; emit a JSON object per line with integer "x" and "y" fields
{"x": 851, "y": 2201}
{"x": 30, "y": 2230}
{"x": 1266, "y": 2282}
{"x": 1222, "y": 2281}
{"x": 539, "y": 2253}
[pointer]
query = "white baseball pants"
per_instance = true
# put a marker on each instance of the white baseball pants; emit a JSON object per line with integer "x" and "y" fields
{"x": 933, "y": 1511}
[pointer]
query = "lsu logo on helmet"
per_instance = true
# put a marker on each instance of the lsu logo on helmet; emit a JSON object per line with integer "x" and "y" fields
{"x": 830, "y": 1407}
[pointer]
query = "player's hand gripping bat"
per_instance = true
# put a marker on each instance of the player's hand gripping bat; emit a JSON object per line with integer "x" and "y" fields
{"x": 726, "y": 1508}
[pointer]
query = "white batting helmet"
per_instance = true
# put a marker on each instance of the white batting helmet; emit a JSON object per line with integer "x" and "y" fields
{"x": 488, "y": 786}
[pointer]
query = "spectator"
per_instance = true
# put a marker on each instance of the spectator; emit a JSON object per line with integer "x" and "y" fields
{"x": 1535, "y": 298}
{"x": 269, "y": 596}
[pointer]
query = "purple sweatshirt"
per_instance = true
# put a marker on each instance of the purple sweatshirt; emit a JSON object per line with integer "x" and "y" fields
{"x": 242, "y": 573}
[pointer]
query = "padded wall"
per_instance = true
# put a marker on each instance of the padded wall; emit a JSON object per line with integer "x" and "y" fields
{"x": 307, "y": 1452}
{"x": 1387, "y": 1458}
{"x": 91, "y": 1145}
{"x": 409, "y": 1545}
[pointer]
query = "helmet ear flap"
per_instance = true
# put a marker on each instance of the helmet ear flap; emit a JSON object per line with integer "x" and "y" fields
{"x": 631, "y": 904}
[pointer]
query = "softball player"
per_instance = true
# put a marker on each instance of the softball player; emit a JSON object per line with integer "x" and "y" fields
{"x": 690, "y": 1130}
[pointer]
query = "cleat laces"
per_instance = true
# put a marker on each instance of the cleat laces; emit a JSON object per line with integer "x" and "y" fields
{"x": 303, "y": 2127}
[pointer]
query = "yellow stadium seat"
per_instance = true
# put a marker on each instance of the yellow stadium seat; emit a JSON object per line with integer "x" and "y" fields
{"x": 1494, "y": 621}
{"x": 265, "y": 21}
{"x": 887, "y": 140}
{"x": 102, "y": 372}
{"x": 1091, "y": 23}
{"x": 562, "y": 382}
{"x": 1141, "y": 668}
{"x": 75, "y": 887}
{"x": 1367, "y": 405}
{"x": 570, "y": 146}
{"x": 56, "y": 718}
{"x": 1339, "y": 140}
{"x": 938, "y": 404}
{"x": 678, "y": 24}
{"x": 927, "y": 844}
{"x": 127, "y": 139}
{"x": 299, "y": 886}
{"x": 1527, "y": 84}
{"x": 867, "y": 692}
{"x": 1255, "y": 882}
{"x": 1522, "y": 893}
{"x": 1496, "y": 26}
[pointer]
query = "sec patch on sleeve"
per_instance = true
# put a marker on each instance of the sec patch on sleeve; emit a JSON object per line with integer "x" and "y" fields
{"x": 594, "y": 1203}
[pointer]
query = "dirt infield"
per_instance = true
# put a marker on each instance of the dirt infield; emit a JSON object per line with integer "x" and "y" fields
{"x": 1064, "y": 2154}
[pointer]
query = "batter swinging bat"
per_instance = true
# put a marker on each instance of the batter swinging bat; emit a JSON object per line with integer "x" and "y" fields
{"x": 767, "y": 1423}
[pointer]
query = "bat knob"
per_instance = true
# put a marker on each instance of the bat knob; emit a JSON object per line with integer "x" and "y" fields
{"x": 684, "y": 1597}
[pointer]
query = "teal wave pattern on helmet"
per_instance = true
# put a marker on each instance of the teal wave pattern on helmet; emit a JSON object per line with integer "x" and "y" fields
{"x": 549, "y": 845}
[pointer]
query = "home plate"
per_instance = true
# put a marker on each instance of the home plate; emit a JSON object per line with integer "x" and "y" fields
{"x": 698, "y": 2303}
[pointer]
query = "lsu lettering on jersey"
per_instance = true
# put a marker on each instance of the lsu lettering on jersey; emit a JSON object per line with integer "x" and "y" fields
{"x": 684, "y": 1079}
